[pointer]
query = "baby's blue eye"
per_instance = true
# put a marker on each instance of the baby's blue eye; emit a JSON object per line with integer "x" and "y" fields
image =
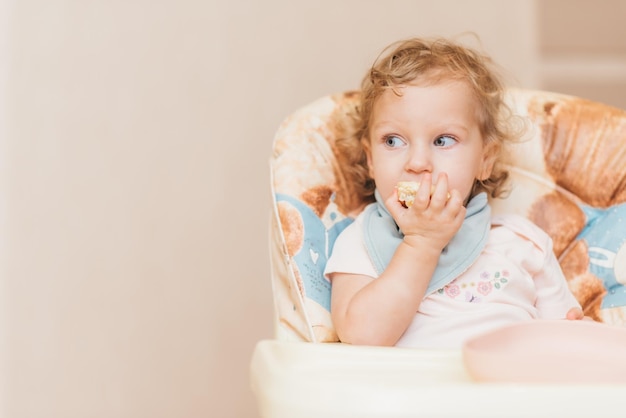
{"x": 393, "y": 141}
{"x": 444, "y": 141}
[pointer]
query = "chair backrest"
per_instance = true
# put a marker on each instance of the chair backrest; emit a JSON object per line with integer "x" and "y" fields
{"x": 568, "y": 176}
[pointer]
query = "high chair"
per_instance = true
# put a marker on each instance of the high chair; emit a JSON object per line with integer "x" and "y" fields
{"x": 568, "y": 175}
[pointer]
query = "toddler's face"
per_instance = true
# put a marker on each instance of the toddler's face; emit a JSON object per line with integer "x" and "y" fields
{"x": 427, "y": 129}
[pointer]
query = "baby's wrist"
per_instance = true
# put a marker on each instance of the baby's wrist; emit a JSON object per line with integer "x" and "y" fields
{"x": 422, "y": 246}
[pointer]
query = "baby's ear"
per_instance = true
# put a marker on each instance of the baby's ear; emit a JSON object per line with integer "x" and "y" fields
{"x": 489, "y": 159}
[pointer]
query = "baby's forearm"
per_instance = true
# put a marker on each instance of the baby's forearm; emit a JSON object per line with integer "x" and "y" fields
{"x": 380, "y": 312}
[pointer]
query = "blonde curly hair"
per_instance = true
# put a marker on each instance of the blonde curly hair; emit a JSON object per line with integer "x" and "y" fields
{"x": 427, "y": 62}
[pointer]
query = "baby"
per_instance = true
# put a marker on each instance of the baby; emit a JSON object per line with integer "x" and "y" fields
{"x": 441, "y": 269}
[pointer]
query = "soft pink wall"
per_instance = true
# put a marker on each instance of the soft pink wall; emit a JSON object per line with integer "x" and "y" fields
{"x": 135, "y": 189}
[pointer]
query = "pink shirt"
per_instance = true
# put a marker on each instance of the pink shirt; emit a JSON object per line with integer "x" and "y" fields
{"x": 516, "y": 278}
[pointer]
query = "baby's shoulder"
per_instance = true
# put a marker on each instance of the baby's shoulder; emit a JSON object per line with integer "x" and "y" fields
{"x": 354, "y": 231}
{"x": 523, "y": 227}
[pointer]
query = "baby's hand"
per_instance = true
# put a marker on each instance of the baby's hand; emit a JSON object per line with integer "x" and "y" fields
{"x": 432, "y": 220}
{"x": 576, "y": 314}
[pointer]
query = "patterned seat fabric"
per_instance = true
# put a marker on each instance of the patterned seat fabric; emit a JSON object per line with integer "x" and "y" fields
{"x": 568, "y": 176}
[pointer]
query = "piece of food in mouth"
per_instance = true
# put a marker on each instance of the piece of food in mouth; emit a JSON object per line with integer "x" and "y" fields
{"x": 407, "y": 191}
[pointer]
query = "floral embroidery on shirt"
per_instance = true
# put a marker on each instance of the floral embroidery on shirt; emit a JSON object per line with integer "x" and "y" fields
{"x": 484, "y": 288}
{"x": 452, "y": 290}
{"x": 469, "y": 297}
{"x": 474, "y": 291}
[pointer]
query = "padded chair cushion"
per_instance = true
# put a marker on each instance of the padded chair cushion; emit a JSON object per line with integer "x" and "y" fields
{"x": 568, "y": 176}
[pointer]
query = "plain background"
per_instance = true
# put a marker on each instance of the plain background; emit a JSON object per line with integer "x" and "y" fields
{"x": 134, "y": 185}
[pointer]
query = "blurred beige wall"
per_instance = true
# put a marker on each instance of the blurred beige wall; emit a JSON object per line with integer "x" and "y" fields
{"x": 582, "y": 48}
{"x": 134, "y": 199}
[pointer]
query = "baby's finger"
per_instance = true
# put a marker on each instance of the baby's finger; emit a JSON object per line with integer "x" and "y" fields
{"x": 440, "y": 193}
{"x": 575, "y": 314}
{"x": 422, "y": 196}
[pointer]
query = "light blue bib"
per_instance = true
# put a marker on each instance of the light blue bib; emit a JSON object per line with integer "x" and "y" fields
{"x": 382, "y": 237}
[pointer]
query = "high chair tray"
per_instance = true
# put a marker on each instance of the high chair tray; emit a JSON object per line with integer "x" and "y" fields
{"x": 549, "y": 352}
{"x": 300, "y": 380}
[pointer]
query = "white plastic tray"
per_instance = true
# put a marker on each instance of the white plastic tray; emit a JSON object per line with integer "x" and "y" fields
{"x": 300, "y": 380}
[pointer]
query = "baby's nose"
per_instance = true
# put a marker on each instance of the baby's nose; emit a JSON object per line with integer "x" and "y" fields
{"x": 418, "y": 160}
